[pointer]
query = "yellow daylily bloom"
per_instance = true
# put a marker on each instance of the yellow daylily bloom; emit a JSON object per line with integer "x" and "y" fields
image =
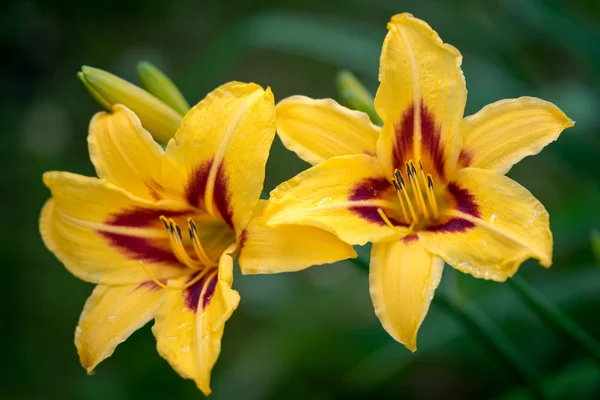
{"x": 426, "y": 188}
{"x": 160, "y": 119}
{"x": 158, "y": 229}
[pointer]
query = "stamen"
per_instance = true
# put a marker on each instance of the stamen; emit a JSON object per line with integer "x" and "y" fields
{"x": 431, "y": 197}
{"x": 397, "y": 187}
{"x": 404, "y": 191}
{"x": 387, "y": 220}
{"x": 176, "y": 240}
{"x": 197, "y": 245}
{"x": 412, "y": 176}
{"x": 183, "y": 287}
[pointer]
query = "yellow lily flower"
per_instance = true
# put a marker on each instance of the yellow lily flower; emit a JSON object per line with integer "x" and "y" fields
{"x": 426, "y": 188}
{"x": 158, "y": 230}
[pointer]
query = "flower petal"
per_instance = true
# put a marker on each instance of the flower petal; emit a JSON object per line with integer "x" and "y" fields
{"x": 503, "y": 133}
{"x": 503, "y": 227}
{"x": 110, "y": 315}
{"x": 125, "y": 154}
{"x": 403, "y": 278}
{"x": 217, "y": 159}
{"x": 317, "y": 130}
{"x": 102, "y": 233}
{"x": 421, "y": 97}
{"x": 286, "y": 248}
{"x": 189, "y": 324}
{"x": 340, "y": 195}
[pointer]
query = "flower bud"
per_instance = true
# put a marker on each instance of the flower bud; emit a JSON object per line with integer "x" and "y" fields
{"x": 157, "y": 83}
{"x": 157, "y": 117}
{"x": 355, "y": 96}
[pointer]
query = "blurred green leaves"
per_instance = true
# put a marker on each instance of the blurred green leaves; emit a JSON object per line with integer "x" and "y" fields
{"x": 595, "y": 243}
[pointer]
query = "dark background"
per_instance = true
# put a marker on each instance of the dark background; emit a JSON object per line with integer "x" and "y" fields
{"x": 311, "y": 334}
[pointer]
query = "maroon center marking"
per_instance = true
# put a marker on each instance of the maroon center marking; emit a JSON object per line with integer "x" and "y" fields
{"x": 465, "y": 202}
{"x": 222, "y": 197}
{"x": 465, "y": 158}
{"x": 150, "y": 285}
{"x": 141, "y": 217}
{"x": 196, "y": 189}
{"x": 139, "y": 248}
{"x": 243, "y": 238}
{"x": 410, "y": 238}
{"x": 370, "y": 189}
{"x": 430, "y": 139}
{"x": 403, "y": 143}
{"x": 192, "y": 294}
{"x": 155, "y": 189}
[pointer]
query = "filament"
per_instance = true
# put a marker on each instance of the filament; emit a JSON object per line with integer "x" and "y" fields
{"x": 176, "y": 240}
{"x": 412, "y": 177}
{"x": 398, "y": 176}
{"x": 387, "y": 220}
{"x": 182, "y": 287}
{"x": 431, "y": 197}
{"x": 198, "y": 245}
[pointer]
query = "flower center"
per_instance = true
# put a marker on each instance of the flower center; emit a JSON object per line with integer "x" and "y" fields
{"x": 416, "y": 195}
{"x": 202, "y": 263}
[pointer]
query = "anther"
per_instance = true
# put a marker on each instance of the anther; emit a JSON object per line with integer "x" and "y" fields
{"x": 197, "y": 244}
{"x": 397, "y": 187}
{"x": 176, "y": 241}
{"x": 431, "y": 197}
{"x": 405, "y": 193}
{"x": 417, "y": 190}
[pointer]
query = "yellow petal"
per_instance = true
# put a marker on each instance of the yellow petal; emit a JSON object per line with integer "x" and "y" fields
{"x": 503, "y": 226}
{"x": 317, "y": 130}
{"x": 102, "y": 233}
{"x": 110, "y": 315}
{"x": 189, "y": 324}
{"x": 217, "y": 159}
{"x": 421, "y": 97}
{"x": 503, "y": 133}
{"x": 157, "y": 117}
{"x": 340, "y": 195}
{"x": 125, "y": 154}
{"x": 286, "y": 248}
{"x": 403, "y": 278}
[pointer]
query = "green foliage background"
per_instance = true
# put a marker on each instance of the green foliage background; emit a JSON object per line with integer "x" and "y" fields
{"x": 311, "y": 334}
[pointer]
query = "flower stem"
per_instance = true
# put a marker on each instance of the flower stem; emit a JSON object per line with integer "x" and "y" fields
{"x": 556, "y": 318}
{"x": 491, "y": 337}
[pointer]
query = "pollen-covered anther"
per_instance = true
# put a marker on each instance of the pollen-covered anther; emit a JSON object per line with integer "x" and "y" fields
{"x": 420, "y": 206}
{"x": 404, "y": 197}
{"x": 179, "y": 250}
{"x": 193, "y": 230}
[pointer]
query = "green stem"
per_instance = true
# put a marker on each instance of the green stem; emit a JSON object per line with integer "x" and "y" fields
{"x": 556, "y": 318}
{"x": 492, "y": 338}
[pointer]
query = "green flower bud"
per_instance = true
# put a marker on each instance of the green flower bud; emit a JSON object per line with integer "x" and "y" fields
{"x": 157, "y": 83}
{"x": 107, "y": 89}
